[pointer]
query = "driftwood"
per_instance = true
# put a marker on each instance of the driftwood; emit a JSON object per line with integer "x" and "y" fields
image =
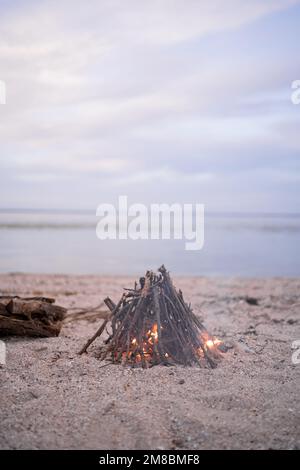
{"x": 152, "y": 324}
{"x": 30, "y": 316}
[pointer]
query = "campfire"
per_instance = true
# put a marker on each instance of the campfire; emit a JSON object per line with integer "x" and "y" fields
{"x": 152, "y": 324}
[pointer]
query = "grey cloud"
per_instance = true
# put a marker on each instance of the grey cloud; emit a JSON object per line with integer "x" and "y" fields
{"x": 118, "y": 94}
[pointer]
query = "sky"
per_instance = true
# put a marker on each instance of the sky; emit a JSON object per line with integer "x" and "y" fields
{"x": 163, "y": 101}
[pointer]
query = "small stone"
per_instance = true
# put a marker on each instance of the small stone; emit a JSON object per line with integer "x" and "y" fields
{"x": 224, "y": 347}
{"x": 181, "y": 381}
{"x": 178, "y": 442}
{"x": 41, "y": 349}
{"x": 251, "y": 300}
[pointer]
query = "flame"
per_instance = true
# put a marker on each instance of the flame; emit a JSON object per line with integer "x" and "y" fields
{"x": 145, "y": 350}
{"x": 152, "y": 335}
{"x": 209, "y": 344}
{"x": 154, "y": 332}
{"x": 212, "y": 342}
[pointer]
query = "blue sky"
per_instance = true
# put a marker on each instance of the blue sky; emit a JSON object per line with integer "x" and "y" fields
{"x": 164, "y": 101}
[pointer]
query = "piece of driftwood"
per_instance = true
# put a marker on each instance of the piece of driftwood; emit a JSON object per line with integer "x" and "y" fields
{"x": 30, "y": 316}
{"x": 152, "y": 324}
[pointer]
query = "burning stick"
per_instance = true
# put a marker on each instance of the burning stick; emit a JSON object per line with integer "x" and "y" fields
{"x": 153, "y": 325}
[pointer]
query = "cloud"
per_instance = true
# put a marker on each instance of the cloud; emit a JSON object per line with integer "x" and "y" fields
{"x": 162, "y": 176}
{"x": 125, "y": 93}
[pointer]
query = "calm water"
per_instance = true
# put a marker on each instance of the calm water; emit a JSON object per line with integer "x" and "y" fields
{"x": 67, "y": 243}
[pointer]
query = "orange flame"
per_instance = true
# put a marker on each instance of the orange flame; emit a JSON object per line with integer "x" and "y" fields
{"x": 152, "y": 335}
{"x": 145, "y": 350}
{"x": 151, "y": 338}
{"x": 211, "y": 343}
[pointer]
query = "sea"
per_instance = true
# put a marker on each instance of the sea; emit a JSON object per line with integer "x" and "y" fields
{"x": 235, "y": 245}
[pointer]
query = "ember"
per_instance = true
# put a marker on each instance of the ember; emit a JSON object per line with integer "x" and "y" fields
{"x": 152, "y": 324}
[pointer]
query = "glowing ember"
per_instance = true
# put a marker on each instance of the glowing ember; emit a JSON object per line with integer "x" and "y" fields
{"x": 211, "y": 343}
{"x": 144, "y": 352}
{"x": 154, "y": 333}
{"x": 146, "y": 349}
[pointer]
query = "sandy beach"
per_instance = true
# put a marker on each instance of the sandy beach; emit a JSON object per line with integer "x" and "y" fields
{"x": 52, "y": 398}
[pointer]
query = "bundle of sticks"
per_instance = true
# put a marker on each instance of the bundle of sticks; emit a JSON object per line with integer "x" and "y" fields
{"x": 152, "y": 324}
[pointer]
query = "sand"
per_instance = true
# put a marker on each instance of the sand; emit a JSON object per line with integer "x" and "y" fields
{"x": 51, "y": 398}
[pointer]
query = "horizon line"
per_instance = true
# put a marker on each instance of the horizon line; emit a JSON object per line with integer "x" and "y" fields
{"x": 69, "y": 211}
